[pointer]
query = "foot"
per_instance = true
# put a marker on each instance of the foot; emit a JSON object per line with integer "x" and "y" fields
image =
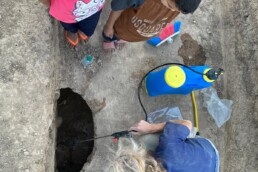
{"x": 120, "y": 44}
{"x": 72, "y": 39}
{"x": 109, "y": 47}
{"x": 83, "y": 37}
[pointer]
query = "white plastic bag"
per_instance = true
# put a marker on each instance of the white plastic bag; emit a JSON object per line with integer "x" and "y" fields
{"x": 219, "y": 109}
{"x": 164, "y": 115}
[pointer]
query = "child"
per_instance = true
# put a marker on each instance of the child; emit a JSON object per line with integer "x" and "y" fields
{"x": 139, "y": 20}
{"x": 78, "y": 17}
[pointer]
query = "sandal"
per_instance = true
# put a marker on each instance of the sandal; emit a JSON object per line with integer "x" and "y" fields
{"x": 70, "y": 41}
{"x": 109, "y": 47}
{"x": 119, "y": 44}
{"x": 83, "y": 37}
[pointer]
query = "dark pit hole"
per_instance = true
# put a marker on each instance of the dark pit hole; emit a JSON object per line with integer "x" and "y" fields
{"x": 76, "y": 125}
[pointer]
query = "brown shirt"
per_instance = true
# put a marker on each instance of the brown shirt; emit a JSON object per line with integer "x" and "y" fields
{"x": 145, "y": 22}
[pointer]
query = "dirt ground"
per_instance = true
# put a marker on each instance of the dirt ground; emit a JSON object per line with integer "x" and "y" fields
{"x": 35, "y": 64}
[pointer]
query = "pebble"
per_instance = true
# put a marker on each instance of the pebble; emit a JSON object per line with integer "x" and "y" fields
{"x": 208, "y": 31}
{"x": 35, "y": 134}
{"x": 26, "y": 153}
{"x": 99, "y": 61}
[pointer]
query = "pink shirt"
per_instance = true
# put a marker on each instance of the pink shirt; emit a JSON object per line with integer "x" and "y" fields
{"x": 72, "y": 11}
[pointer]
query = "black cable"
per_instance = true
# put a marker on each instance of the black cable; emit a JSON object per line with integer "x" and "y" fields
{"x": 116, "y": 135}
{"x": 166, "y": 64}
{"x": 93, "y": 138}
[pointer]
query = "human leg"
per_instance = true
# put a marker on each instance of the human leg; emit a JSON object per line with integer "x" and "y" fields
{"x": 88, "y": 26}
{"x": 71, "y": 35}
{"x": 114, "y": 41}
{"x": 109, "y": 43}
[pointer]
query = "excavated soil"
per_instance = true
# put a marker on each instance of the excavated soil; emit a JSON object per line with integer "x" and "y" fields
{"x": 191, "y": 52}
{"x": 77, "y": 125}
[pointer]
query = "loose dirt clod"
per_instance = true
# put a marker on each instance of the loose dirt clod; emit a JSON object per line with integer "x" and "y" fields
{"x": 191, "y": 52}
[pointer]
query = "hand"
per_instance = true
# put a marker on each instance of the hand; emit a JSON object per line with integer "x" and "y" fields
{"x": 109, "y": 31}
{"x": 142, "y": 128}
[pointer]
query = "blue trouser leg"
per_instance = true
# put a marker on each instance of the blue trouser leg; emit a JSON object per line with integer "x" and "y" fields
{"x": 70, "y": 27}
{"x": 88, "y": 25}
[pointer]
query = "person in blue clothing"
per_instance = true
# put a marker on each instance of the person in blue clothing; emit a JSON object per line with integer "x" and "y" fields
{"x": 174, "y": 151}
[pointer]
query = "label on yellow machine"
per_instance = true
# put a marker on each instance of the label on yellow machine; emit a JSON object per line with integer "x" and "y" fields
{"x": 175, "y": 76}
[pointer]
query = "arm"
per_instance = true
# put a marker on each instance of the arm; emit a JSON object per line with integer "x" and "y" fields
{"x": 144, "y": 127}
{"x": 109, "y": 27}
{"x": 46, "y": 2}
{"x": 118, "y": 6}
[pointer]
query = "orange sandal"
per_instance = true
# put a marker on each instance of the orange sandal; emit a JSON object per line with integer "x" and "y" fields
{"x": 83, "y": 36}
{"x": 73, "y": 43}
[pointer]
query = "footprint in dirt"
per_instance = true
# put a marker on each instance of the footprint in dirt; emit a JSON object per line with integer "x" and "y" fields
{"x": 191, "y": 52}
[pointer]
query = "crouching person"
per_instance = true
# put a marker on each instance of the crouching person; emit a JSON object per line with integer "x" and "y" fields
{"x": 174, "y": 152}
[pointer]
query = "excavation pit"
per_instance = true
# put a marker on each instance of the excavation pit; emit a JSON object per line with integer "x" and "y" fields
{"x": 75, "y": 126}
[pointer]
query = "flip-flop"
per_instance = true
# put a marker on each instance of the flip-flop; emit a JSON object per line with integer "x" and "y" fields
{"x": 108, "y": 39}
{"x": 120, "y": 42}
{"x": 83, "y": 36}
{"x": 109, "y": 47}
{"x": 73, "y": 43}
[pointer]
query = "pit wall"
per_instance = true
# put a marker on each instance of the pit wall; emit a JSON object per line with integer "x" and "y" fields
{"x": 28, "y": 83}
